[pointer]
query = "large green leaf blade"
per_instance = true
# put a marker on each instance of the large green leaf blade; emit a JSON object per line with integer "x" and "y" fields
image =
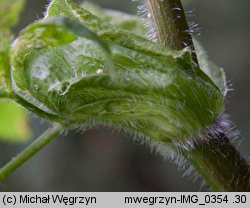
{"x": 118, "y": 36}
{"x": 149, "y": 89}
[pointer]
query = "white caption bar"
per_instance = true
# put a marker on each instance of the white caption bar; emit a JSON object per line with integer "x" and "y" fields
{"x": 124, "y": 199}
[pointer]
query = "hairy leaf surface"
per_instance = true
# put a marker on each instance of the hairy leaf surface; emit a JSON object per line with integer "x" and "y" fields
{"x": 148, "y": 89}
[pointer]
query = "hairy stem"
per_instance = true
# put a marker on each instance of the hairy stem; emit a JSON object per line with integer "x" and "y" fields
{"x": 170, "y": 23}
{"x": 30, "y": 151}
{"x": 217, "y": 160}
{"x": 220, "y": 164}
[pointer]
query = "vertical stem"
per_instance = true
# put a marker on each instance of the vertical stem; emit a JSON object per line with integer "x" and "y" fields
{"x": 216, "y": 160}
{"x": 170, "y": 23}
{"x": 31, "y": 150}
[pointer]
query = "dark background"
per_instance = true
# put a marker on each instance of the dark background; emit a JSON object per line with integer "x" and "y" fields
{"x": 102, "y": 160}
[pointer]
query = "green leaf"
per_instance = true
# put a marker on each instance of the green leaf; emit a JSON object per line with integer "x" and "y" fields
{"x": 10, "y": 11}
{"x": 115, "y": 35}
{"x": 119, "y": 19}
{"x": 149, "y": 90}
{"x": 48, "y": 33}
{"x": 103, "y": 29}
{"x": 13, "y": 122}
{"x": 216, "y": 73}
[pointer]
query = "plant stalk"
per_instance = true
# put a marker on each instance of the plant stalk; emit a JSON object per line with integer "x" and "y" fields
{"x": 220, "y": 164}
{"x": 169, "y": 20}
{"x": 217, "y": 160}
{"x": 30, "y": 151}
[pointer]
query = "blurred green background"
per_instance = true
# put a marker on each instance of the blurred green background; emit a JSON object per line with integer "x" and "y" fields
{"x": 102, "y": 160}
